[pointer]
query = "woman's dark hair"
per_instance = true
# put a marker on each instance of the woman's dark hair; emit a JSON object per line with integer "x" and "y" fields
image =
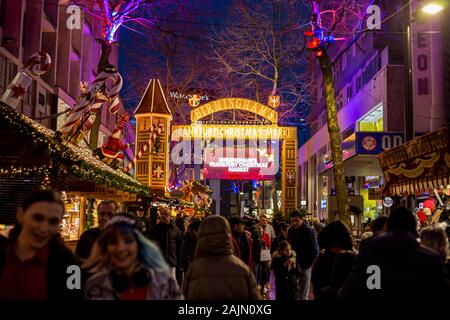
{"x": 335, "y": 234}
{"x": 34, "y": 197}
{"x": 283, "y": 245}
{"x": 42, "y": 196}
{"x": 402, "y": 219}
{"x": 379, "y": 224}
{"x": 194, "y": 225}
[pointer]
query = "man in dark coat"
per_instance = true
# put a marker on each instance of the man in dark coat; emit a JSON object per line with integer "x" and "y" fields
{"x": 188, "y": 245}
{"x": 169, "y": 238}
{"x": 303, "y": 241}
{"x": 241, "y": 241}
{"x": 406, "y": 270}
{"x": 105, "y": 210}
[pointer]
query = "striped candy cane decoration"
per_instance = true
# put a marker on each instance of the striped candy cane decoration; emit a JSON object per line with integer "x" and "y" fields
{"x": 39, "y": 63}
{"x": 155, "y": 132}
{"x": 111, "y": 95}
{"x": 98, "y": 96}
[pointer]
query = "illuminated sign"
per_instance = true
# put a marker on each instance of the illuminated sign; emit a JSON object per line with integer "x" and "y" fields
{"x": 183, "y": 96}
{"x": 238, "y": 164}
{"x": 234, "y": 104}
{"x": 230, "y": 131}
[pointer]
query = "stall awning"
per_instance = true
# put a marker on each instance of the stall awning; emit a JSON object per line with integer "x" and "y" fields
{"x": 419, "y": 165}
{"x": 36, "y": 149}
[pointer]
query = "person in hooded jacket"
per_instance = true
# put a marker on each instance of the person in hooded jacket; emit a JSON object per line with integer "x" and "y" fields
{"x": 333, "y": 239}
{"x": 408, "y": 270}
{"x": 216, "y": 273}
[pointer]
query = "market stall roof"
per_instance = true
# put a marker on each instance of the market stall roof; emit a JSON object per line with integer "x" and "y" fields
{"x": 419, "y": 165}
{"x": 78, "y": 160}
{"x": 153, "y": 100}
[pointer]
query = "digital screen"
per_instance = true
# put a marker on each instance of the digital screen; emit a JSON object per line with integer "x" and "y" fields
{"x": 239, "y": 164}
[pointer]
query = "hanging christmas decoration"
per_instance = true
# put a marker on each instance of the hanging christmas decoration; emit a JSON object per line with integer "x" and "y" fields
{"x": 90, "y": 219}
{"x": 38, "y": 64}
{"x": 155, "y": 131}
{"x": 104, "y": 89}
{"x": 318, "y": 41}
{"x": 111, "y": 152}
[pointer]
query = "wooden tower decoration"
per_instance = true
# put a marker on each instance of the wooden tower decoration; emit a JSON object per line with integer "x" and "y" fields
{"x": 152, "y": 167}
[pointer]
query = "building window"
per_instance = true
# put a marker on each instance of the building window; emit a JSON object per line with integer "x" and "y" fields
{"x": 349, "y": 92}
{"x": 372, "y": 121}
{"x": 142, "y": 168}
{"x": 358, "y": 83}
{"x": 339, "y": 102}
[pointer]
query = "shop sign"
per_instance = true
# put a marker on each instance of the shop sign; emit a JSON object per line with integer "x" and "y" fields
{"x": 377, "y": 142}
{"x": 421, "y": 158}
{"x": 388, "y": 202}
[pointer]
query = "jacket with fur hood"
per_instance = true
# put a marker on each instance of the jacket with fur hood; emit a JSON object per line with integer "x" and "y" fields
{"x": 215, "y": 273}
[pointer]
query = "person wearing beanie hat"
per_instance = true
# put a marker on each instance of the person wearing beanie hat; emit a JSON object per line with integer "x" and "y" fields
{"x": 408, "y": 270}
{"x": 127, "y": 266}
{"x": 216, "y": 273}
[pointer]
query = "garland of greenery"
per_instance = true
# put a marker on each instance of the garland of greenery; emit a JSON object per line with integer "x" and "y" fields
{"x": 90, "y": 202}
{"x": 79, "y": 160}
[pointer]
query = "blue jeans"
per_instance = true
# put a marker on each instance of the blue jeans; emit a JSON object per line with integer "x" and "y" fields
{"x": 304, "y": 281}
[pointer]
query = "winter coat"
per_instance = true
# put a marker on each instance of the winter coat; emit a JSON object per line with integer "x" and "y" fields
{"x": 169, "y": 238}
{"x": 216, "y": 273}
{"x": 256, "y": 245}
{"x": 60, "y": 257}
{"x": 329, "y": 273}
{"x": 276, "y": 242}
{"x": 408, "y": 271}
{"x": 303, "y": 241}
{"x": 270, "y": 230}
{"x": 86, "y": 242}
{"x": 187, "y": 250}
{"x": 242, "y": 244}
{"x": 162, "y": 286}
{"x": 286, "y": 278}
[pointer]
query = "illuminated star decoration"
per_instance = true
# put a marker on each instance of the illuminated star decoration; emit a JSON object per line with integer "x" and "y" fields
{"x": 158, "y": 171}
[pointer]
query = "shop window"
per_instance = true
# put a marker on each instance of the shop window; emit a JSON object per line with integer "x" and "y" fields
{"x": 372, "y": 121}
{"x": 70, "y": 224}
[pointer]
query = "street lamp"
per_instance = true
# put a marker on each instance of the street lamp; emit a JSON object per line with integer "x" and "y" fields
{"x": 430, "y": 8}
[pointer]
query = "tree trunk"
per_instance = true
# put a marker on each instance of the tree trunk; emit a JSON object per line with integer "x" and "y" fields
{"x": 335, "y": 139}
{"x": 102, "y": 64}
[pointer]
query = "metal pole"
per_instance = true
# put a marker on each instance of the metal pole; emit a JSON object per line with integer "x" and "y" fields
{"x": 409, "y": 103}
{"x": 409, "y": 107}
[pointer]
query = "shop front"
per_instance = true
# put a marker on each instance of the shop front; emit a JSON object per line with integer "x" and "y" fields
{"x": 364, "y": 176}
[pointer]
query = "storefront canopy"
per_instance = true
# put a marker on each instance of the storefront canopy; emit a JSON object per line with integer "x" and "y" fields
{"x": 27, "y": 148}
{"x": 419, "y": 165}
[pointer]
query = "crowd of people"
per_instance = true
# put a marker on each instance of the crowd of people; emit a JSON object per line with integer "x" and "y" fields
{"x": 151, "y": 256}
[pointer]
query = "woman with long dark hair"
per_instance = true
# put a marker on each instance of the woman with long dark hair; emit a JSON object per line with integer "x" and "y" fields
{"x": 128, "y": 266}
{"x": 334, "y": 240}
{"x": 34, "y": 259}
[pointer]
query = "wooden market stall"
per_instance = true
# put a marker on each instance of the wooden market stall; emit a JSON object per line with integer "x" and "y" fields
{"x": 33, "y": 156}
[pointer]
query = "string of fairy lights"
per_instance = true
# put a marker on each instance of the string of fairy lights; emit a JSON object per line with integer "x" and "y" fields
{"x": 78, "y": 160}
